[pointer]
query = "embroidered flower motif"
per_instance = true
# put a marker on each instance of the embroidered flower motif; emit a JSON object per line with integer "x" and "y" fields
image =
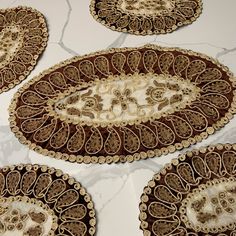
{"x": 155, "y": 94}
{"x": 13, "y": 220}
{"x": 151, "y": 5}
{"x": 3, "y": 210}
{"x": 187, "y": 91}
{"x": 176, "y": 98}
{"x": 60, "y": 106}
{"x": 123, "y": 99}
{"x": 91, "y": 104}
{"x": 73, "y": 111}
{"x": 9, "y": 41}
{"x": 174, "y": 87}
{"x": 131, "y": 1}
{"x": 72, "y": 99}
{"x": 34, "y": 231}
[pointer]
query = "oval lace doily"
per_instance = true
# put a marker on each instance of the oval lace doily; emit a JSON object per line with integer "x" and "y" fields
{"x": 145, "y": 17}
{"x": 38, "y": 200}
{"x": 194, "y": 195}
{"x": 23, "y": 36}
{"x": 123, "y": 105}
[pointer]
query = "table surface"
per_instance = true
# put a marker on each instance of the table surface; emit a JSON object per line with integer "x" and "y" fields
{"x": 116, "y": 188}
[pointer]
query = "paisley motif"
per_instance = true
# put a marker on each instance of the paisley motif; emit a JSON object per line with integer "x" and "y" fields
{"x": 193, "y": 195}
{"x": 125, "y": 104}
{"x": 148, "y": 137}
{"x": 72, "y": 73}
{"x": 59, "y": 139}
{"x": 144, "y": 18}
{"x": 113, "y": 143}
{"x": 164, "y": 194}
{"x": 76, "y": 142}
{"x": 158, "y": 209}
{"x": 76, "y": 212}
{"x": 38, "y": 200}
{"x": 102, "y": 65}
{"x": 165, "y": 61}
{"x": 23, "y": 37}
{"x": 31, "y": 125}
{"x": 133, "y": 60}
{"x": 95, "y": 142}
{"x": 32, "y": 98}
{"x": 149, "y": 60}
{"x": 57, "y": 80}
{"x": 27, "y": 180}
{"x": 118, "y": 61}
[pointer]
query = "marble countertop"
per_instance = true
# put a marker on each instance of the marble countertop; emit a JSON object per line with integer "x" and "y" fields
{"x": 116, "y": 188}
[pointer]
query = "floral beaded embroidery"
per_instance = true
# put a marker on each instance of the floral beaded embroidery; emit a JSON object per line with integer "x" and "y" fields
{"x": 127, "y": 99}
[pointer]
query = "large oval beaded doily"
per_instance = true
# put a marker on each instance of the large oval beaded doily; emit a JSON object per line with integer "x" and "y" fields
{"x": 145, "y": 17}
{"x": 41, "y": 201}
{"x": 23, "y": 36}
{"x": 123, "y": 104}
{"x": 194, "y": 195}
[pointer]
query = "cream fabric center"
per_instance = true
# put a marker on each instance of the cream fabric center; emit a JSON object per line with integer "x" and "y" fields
{"x": 11, "y": 39}
{"x": 212, "y": 206}
{"x": 128, "y": 98}
{"x": 146, "y": 7}
{"x": 24, "y": 217}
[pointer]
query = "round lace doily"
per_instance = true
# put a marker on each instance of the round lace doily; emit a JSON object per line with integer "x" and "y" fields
{"x": 145, "y": 17}
{"x": 194, "y": 195}
{"x": 23, "y": 36}
{"x": 41, "y": 201}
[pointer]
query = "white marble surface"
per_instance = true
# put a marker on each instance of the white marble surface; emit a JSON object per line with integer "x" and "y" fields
{"x": 116, "y": 188}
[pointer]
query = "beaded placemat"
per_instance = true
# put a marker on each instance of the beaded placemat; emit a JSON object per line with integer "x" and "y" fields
{"x": 123, "y": 104}
{"x": 194, "y": 195}
{"x": 145, "y": 17}
{"x": 23, "y": 37}
{"x": 41, "y": 201}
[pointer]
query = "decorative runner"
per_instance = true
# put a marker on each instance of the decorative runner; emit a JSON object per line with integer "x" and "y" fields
{"x": 23, "y": 37}
{"x": 145, "y": 17}
{"x": 194, "y": 195}
{"x": 42, "y": 201}
{"x": 123, "y": 104}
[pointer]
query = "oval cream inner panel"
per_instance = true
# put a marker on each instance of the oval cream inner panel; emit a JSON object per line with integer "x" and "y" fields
{"x": 24, "y": 216}
{"x": 212, "y": 207}
{"x": 127, "y": 98}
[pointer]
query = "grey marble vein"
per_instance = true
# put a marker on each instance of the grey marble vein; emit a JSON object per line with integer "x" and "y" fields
{"x": 119, "y": 41}
{"x": 149, "y": 164}
{"x": 114, "y": 195}
{"x": 61, "y": 43}
{"x": 113, "y": 171}
{"x": 225, "y": 52}
{"x": 9, "y": 145}
{"x": 228, "y": 136}
{"x": 186, "y": 43}
{"x": 13, "y": 2}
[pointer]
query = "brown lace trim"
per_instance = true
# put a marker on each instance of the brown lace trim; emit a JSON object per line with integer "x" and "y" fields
{"x": 123, "y": 104}
{"x": 23, "y": 36}
{"x": 145, "y": 17}
{"x": 194, "y": 195}
{"x": 41, "y": 201}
